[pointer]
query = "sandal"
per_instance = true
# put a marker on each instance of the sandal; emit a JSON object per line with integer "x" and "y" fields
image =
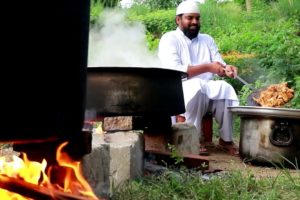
{"x": 228, "y": 147}
{"x": 203, "y": 151}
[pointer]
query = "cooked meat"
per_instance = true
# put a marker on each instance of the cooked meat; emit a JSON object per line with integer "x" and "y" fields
{"x": 275, "y": 95}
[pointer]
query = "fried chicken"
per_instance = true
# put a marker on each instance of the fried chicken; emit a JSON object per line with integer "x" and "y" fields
{"x": 275, "y": 95}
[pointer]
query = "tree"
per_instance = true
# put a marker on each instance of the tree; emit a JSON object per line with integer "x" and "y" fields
{"x": 248, "y": 5}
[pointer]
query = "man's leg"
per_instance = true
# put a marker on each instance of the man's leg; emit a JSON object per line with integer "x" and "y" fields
{"x": 225, "y": 120}
{"x": 196, "y": 109}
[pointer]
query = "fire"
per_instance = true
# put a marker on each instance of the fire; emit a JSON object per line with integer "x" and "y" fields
{"x": 34, "y": 175}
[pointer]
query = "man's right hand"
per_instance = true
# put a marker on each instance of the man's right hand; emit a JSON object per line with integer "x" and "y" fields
{"x": 218, "y": 68}
{"x": 231, "y": 71}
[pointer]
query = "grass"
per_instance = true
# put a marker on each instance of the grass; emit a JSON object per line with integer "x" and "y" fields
{"x": 184, "y": 184}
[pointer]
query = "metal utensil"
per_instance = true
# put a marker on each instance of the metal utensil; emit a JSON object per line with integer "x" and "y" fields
{"x": 244, "y": 82}
{"x": 240, "y": 79}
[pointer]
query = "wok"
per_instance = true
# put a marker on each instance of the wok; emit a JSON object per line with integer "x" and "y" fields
{"x": 256, "y": 94}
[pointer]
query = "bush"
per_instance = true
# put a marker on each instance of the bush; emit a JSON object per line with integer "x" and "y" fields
{"x": 157, "y": 22}
{"x": 161, "y": 4}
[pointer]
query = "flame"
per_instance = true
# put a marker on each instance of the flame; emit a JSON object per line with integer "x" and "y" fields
{"x": 34, "y": 172}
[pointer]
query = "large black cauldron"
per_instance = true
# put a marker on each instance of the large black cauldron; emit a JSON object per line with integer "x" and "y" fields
{"x": 134, "y": 91}
{"x": 43, "y": 74}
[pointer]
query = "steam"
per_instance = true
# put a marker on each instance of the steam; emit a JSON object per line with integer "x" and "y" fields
{"x": 118, "y": 43}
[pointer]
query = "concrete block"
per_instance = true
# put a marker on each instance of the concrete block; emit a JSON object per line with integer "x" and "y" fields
{"x": 186, "y": 138}
{"x": 114, "y": 159}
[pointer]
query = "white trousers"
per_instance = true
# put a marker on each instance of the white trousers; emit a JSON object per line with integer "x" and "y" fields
{"x": 200, "y": 104}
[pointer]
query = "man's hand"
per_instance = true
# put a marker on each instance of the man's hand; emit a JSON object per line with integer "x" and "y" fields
{"x": 214, "y": 67}
{"x": 231, "y": 71}
{"x": 218, "y": 68}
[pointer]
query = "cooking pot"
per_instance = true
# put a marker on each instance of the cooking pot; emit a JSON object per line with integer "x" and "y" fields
{"x": 269, "y": 135}
{"x": 44, "y": 97}
{"x": 134, "y": 91}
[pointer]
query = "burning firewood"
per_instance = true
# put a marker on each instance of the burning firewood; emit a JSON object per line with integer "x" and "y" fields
{"x": 34, "y": 191}
{"x": 27, "y": 179}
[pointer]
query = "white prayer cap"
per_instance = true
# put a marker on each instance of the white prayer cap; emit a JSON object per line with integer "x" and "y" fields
{"x": 187, "y": 7}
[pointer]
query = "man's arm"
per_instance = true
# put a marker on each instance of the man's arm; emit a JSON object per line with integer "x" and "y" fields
{"x": 168, "y": 53}
{"x": 169, "y": 56}
{"x": 214, "y": 67}
{"x": 229, "y": 70}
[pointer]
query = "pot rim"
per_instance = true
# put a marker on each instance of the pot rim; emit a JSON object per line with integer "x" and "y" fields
{"x": 135, "y": 69}
{"x": 265, "y": 111}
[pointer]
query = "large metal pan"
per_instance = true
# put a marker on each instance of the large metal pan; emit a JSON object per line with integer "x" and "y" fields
{"x": 256, "y": 94}
{"x": 134, "y": 91}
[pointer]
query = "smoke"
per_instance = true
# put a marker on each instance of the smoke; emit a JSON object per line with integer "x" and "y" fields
{"x": 118, "y": 43}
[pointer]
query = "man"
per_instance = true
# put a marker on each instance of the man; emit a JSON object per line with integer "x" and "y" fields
{"x": 185, "y": 49}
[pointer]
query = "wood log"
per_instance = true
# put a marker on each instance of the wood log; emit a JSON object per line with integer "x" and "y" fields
{"x": 34, "y": 191}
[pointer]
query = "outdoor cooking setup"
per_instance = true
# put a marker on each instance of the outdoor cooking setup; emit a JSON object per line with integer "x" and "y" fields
{"x": 150, "y": 96}
{"x": 51, "y": 88}
{"x": 269, "y": 132}
{"x": 269, "y": 135}
{"x": 154, "y": 94}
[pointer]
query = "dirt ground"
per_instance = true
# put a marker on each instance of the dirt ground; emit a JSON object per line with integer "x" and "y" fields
{"x": 219, "y": 160}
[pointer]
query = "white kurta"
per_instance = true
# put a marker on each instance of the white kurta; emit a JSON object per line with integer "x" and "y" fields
{"x": 176, "y": 51}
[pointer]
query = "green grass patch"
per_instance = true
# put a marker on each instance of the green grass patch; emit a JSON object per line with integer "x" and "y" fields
{"x": 184, "y": 184}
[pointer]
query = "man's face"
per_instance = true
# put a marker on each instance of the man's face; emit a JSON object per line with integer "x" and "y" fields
{"x": 189, "y": 23}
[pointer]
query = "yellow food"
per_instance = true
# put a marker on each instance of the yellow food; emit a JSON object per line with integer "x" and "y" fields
{"x": 275, "y": 95}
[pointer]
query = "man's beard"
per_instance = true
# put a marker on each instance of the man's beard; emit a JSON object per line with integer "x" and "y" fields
{"x": 191, "y": 33}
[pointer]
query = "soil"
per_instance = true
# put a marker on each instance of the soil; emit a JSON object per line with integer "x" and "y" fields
{"x": 220, "y": 160}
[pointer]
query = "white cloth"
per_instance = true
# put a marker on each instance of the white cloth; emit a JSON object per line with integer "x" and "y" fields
{"x": 176, "y": 51}
{"x": 187, "y": 7}
{"x": 214, "y": 89}
{"x": 201, "y": 104}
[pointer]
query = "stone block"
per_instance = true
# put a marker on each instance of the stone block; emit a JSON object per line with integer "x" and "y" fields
{"x": 185, "y": 137}
{"x": 114, "y": 159}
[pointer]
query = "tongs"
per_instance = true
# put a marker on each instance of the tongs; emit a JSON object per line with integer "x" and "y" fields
{"x": 255, "y": 93}
{"x": 244, "y": 82}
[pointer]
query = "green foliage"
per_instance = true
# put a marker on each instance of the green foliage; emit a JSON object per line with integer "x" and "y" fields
{"x": 152, "y": 42}
{"x": 192, "y": 185}
{"x": 288, "y": 8}
{"x": 175, "y": 154}
{"x": 161, "y": 4}
{"x": 215, "y": 15}
{"x": 96, "y": 9}
{"x": 295, "y": 102}
{"x": 138, "y": 10}
{"x": 107, "y": 3}
{"x": 157, "y": 22}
